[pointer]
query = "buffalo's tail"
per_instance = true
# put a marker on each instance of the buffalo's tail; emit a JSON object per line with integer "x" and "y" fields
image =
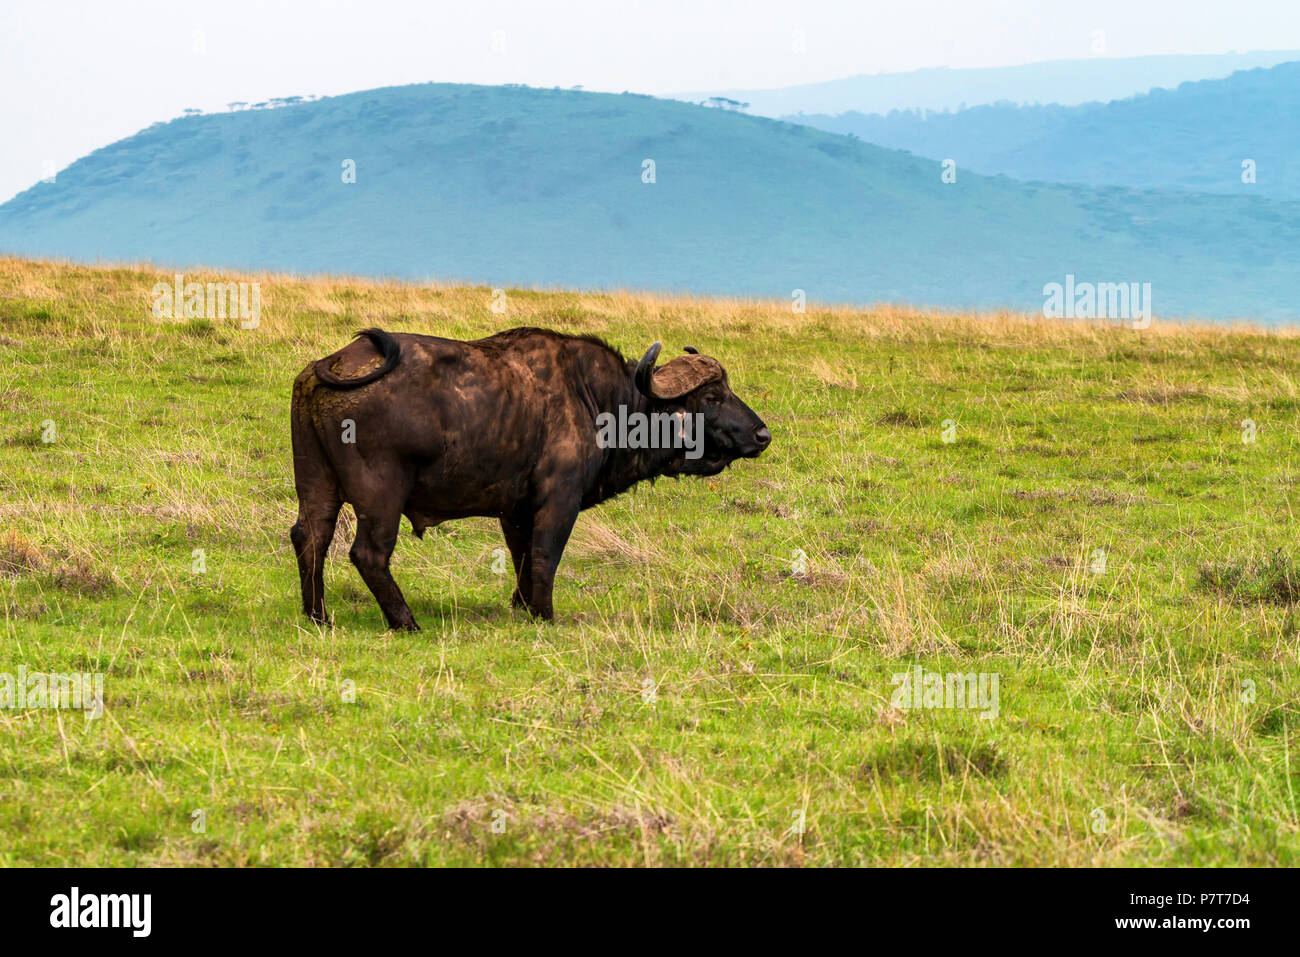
{"x": 384, "y": 344}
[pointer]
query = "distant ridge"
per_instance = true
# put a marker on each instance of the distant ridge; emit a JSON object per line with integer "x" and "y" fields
{"x": 1063, "y": 82}
{"x": 526, "y": 187}
{"x": 1194, "y": 138}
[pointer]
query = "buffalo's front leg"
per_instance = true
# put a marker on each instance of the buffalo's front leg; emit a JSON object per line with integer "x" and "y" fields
{"x": 518, "y": 531}
{"x": 551, "y": 527}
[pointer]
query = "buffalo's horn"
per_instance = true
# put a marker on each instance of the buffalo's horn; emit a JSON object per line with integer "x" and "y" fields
{"x": 645, "y": 369}
{"x": 691, "y": 349}
{"x": 685, "y": 374}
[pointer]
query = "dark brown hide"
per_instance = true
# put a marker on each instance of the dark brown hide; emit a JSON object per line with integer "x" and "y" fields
{"x": 437, "y": 429}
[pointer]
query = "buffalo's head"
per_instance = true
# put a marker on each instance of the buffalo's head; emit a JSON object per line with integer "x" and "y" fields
{"x": 696, "y": 386}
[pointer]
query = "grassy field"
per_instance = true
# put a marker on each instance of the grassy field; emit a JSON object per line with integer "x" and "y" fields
{"x": 1076, "y": 508}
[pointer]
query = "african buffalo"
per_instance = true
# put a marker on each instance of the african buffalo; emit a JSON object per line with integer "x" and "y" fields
{"x": 520, "y": 426}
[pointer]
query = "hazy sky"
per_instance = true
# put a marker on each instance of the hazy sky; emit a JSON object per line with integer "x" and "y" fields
{"x": 79, "y": 74}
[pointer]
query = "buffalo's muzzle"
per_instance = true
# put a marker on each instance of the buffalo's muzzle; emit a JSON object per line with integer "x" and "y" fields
{"x": 762, "y": 438}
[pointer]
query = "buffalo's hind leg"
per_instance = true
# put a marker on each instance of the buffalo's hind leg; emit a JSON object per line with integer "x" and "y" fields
{"x": 318, "y": 511}
{"x": 377, "y": 528}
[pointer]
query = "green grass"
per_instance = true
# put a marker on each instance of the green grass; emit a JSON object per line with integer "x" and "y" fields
{"x": 698, "y": 691}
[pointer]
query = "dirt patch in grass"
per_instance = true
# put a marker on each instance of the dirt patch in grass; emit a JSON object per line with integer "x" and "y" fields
{"x": 21, "y": 558}
{"x": 1159, "y": 396}
{"x": 933, "y": 761}
{"x": 913, "y": 420}
{"x": 814, "y": 578}
{"x": 1275, "y": 720}
{"x": 550, "y": 833}
{"x": 1086, "y": 495}
{"x": 18, "y": 556}
{"x": 1043, "y": 450}
{"x": 756, "y": 508}
{"x": 79, "y": 576}
{"x": 1273, "y": 580}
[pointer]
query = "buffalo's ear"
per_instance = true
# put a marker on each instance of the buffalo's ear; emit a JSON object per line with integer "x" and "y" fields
{"x": 691, "y": 350}
{"x": 645, "y": 369}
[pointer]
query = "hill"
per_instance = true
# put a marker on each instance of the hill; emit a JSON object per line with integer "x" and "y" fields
{"x": 1191, "y": 138}
{"x": 512, "y": 186}
{"x": 1068, "y": 506}
{"x": 1064, "y": 82}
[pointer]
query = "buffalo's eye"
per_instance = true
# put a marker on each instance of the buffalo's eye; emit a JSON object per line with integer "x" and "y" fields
{"x": 713, "y": 399}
